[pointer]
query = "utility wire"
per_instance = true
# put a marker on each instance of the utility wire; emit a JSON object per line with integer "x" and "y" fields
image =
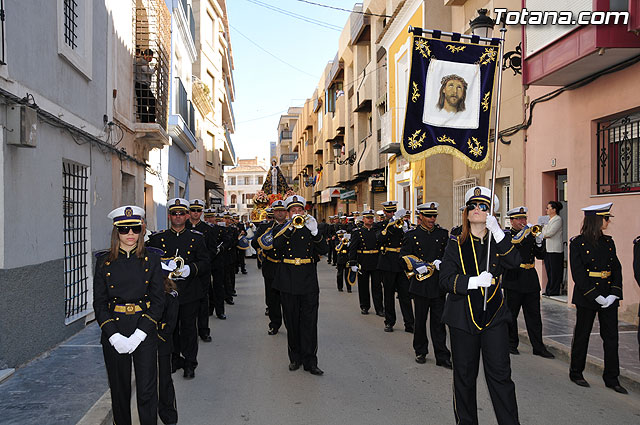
{"x": 271, "y": 54}
{"x": 343, "y": 10}
{"x": 297, "y": 16}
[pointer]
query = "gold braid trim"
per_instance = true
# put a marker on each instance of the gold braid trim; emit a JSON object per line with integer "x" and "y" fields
{"x": 149, "y": 317}
{"x": 105, "y": 322}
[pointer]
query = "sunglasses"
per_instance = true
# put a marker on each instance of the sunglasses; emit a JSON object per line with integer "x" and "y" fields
{"x": 472, "y": 206}
{"x": 606, "y": 218}
{"x": 195, "y": 209}
{"x": 124, "y": 230}
{"x": 177, "y": 213}
{"x": 429, "y": 215}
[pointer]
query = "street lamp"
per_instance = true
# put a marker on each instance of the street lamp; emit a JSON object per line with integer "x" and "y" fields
{"x": 482, "y": 25}
{"x": 337, "y": 152}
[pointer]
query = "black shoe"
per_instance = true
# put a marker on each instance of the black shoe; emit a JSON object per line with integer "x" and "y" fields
{"x": 513, "y": 350}
{"x": 380, "y": 313}
{"x": 189, "y": 373}
{"x": 206, "y": 338}
{"x": 314, "y": 370}
{"x": 177, "y": 364}
{"x": 544, "y": 353}
{"x": 364, "y": 311}
{"x": 229, "y": 301}
{"x": 388, "y": 328}
{"x": 349, "y": 290}
{"x": 294, "y": 366}
{"x": 272, "y": 331}
{"x": 244, "y": 272}
{"x": 266, "y": 311}
{"x": 445, "y": 363}
{"x": 580, "y": 382}
{"x": 408, "y": 329}
{"x": 421, "y": 358}
{"x": 222, "y": 316}
{"x": 234, "y": 293}
{"x": 618, "y": 388}
{"x": 340, "y": 290}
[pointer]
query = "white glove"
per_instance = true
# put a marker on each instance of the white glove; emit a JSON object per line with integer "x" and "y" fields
{"x": 437, "y": 263}
{"x": 348, "y": 236}
{"x": 185, "y": 271}
{"x": 119, "y": 342}
{"x": 405, "y": 227}
{"x": 399, "y": 214}
{"x": 135, "y": 340}
{"x": 222, "y": 224}
{"x": 421, "y": 269}
{"x": 494, "y": 228}
{"x": 171, "y": 265}
{"x": 609, "y": 301}
{"x": 483, "y": 280}
{"x": 539, "y": 239}
{"x": 601, "y": 300}
{"x": 354, "y": 269}
{"x": 312, "y": 225}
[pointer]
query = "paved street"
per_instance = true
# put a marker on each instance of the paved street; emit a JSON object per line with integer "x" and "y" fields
{"x": 370, "y": 376}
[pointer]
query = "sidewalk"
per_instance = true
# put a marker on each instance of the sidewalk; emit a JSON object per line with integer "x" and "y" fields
{"x": 558, "y": 322}
{"x": 60, "y": 386}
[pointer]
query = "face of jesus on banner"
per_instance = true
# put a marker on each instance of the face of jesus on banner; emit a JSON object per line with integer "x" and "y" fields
{"x": 453, "y": 92}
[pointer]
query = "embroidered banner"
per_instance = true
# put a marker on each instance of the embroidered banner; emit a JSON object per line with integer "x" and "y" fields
{"x": 449, "y": 101}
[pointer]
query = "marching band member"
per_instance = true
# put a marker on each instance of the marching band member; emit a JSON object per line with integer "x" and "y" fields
{"x": 188, "y": 244}
{"x": 363, "y": 259}
{"x": 342, "y": 252}
{"x": 427, "y": 243}
{"x": 390, "y": 266}
{"x": 473, "y": 329}
{"x": 521, "y": 285}
{"x": 597, "y": 274}
{"x": 231, "y": 258}
{"x": 297, "y": 280}
{"x": 128, "y": 299}
{"x": 332, "y": 240}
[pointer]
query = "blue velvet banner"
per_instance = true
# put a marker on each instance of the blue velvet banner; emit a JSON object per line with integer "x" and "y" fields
{"x": 449, "y": 100}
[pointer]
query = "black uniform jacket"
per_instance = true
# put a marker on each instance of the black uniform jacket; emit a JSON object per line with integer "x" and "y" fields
{"x": 220, "y": 241}
{"x": 231, "y": 253}
{"x": 297, "y": 249}
{"x": 636, "y": 262}
{"x": 464, "y": 308}
{"x": 525, "y": 278}
{"x": 128, "y": 280}
{"x": 588, "y": 262}
{"x": 389, "y": 242}
{"x": 189, "y": 245}
{"x": 167, "y": 323}
{"x": 271, "y": 259}
{"x": 427, "y": 245}
{"x": 363, "y": 248}
{"x": 342, "y": 250}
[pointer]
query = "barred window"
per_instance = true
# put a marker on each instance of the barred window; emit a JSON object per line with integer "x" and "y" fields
{"x": 71, "y": 23}
{"x": 75, "y": 214}
{"x": 618, "y": 155}
{"x": 460, "y": 188}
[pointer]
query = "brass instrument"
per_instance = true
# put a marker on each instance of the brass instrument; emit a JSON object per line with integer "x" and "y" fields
{"x": 399, "y": 224}
{"x": 298, "y": 221}
{"x": 536, "y": 230}
{"x": 179, "y": 265}
{"x": 422, "y": 276}
{"x": 343, "y": 241}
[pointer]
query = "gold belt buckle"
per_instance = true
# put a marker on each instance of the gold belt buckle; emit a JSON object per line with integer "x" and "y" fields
{"x": 130, "y": 309}
{"x": 297, "y": 261}
{"x": 604, "y": 274}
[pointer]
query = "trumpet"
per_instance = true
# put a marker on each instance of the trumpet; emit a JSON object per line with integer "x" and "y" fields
{"x": 298, "y": 221}
{"x": 179, "y": 265}
{"x": 399, "y": 224}
{"x": 536, "y": 230}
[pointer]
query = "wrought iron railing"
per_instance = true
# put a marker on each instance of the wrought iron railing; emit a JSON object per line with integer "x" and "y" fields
{"x": 618, "y": 155}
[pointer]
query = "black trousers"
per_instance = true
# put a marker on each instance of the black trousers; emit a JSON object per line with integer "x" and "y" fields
{"x": 240, "y": 264}
{"x": 437, "y": 328}
{"x": 167, "y": 407}
{"x": 300, "y": 313}
{"x": 365, "y": 278}
{"x": 465, "y": 350}
{"x": 530, "y": 304}
{"x": 554, "y": 265}
{"x": 608, "y": 318}
{"x": 185, "y": 336}
{"x": 230, "y": 280}
{"x": 203, "y": 310}
{"x": 341, "y": 277}
{"x": 217, "y": 293}
{"x": 119, "y": 375}
{"x": 393, "y": 282}
{"x": 273, "y": 303}
{"x": 331, "y": 254}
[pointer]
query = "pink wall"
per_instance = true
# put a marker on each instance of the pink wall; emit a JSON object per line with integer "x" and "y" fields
{"x": 563, "y": 128}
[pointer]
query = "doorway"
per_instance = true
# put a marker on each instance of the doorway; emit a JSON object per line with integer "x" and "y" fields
{"x": 561, "y": 196}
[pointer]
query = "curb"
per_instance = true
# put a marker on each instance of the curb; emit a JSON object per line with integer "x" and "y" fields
{"x": 628, "y": 379}
{"x": 100, "y": 413}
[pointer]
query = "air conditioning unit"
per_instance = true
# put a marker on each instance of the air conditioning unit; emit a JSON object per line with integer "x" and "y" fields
{"x": 22, "y": 126}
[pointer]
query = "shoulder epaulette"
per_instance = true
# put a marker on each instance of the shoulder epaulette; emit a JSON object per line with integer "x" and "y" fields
{"x": 571, "y": 240}
{"x": 101, "y": 253}
{"x": 196, "y": 232}
{"x": 155, "y": 250}
{"x": 636, "y": 240}
{"x": 453, "y": 238}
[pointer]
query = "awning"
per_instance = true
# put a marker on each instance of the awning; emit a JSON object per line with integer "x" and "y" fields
{"x": 329, "y": 193}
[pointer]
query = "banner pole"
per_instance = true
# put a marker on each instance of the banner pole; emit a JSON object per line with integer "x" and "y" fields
{"x": 503, "y": 30}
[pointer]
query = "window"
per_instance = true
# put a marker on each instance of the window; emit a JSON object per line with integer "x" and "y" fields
{"x": 75, "y": 211}
{"x": 232, "y": 181}
{"x": 618, "y": 155}
{"x": 260, "y": 179}
{"x": 332, "y": 96}
{"x": 70, "y": 23}
{"x": 234, "y": 199}
{"x": 171, "y": 190}
{"x": 319, "y": 120}
{"x": 128, "y": 189}
{"x": 75, "y": 28}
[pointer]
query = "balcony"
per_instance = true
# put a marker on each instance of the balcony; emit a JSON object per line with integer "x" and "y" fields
{"x": 228, "y": 153}
{"x": 336, "y": 73}
{"x": 228, "y": 117}
{"x": 285, "y": 135}
{"x": 364, "y": 89}
{"x": 338, "y": 120}
{"x": 576, "y": 53}
{"x": 201, "y": 96}
{"x": 288, "y": 158}
{"x": 386, "y": 143}
{"x": 182, "y": 123}
{"x": 360, "y": 26}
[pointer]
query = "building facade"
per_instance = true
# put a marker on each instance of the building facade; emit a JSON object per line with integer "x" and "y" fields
{"x": 242, "y": 183}
{"x": 285, "y": 157}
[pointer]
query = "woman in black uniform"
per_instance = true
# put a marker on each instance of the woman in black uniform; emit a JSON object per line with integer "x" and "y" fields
{"x": 597, "y": 274}
{"x": 472, "y": 329}
{"x": 128, "y": 300}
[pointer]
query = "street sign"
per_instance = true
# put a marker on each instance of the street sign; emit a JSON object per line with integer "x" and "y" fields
{"x": 378, "y": 186}
{"x": 347, "y": 195}
{"x": 216, "y": 201}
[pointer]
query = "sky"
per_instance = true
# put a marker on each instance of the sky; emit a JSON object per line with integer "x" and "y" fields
{"x": 265, "y": 86}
